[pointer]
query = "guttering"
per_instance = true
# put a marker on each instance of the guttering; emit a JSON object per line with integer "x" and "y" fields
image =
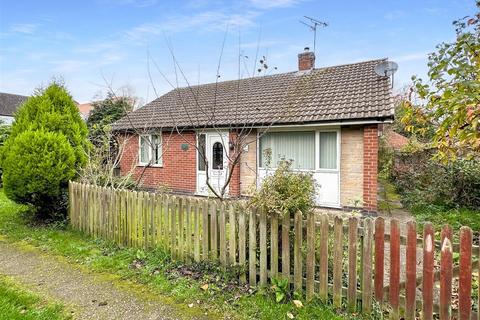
{"x": 282, "y": 125}
{"x": 326, "y": 124}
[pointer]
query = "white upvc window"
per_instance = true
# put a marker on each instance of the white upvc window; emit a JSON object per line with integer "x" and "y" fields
{"x": 150, "y": 149}
{"x": 316, "y": 150}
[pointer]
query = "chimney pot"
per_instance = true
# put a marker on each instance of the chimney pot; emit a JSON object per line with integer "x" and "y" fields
{"x": 306, "y": 60}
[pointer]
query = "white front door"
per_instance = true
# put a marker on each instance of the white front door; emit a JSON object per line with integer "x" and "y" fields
{"x": 215, "y": 147}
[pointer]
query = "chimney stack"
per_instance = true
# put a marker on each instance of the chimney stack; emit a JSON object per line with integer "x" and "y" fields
{"x": 306, "y": 60}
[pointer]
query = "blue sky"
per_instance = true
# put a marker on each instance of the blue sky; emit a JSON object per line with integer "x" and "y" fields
{"x": 100, "y": 43}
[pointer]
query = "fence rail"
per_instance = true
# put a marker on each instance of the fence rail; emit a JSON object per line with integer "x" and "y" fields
{"x": 353, "y": 262}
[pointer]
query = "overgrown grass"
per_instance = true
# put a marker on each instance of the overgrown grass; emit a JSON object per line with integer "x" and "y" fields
{"x": 157, "y": 273}
{"x": 19, "y": 303}
{"x": 440, "y": 215}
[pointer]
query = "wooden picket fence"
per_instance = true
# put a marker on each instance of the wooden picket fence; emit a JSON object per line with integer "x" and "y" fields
{"x": 351, "y": 263}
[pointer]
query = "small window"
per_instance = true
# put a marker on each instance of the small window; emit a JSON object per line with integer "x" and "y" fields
{"x": 217, "y": 153}
{"x": 150, "y": 149}
{"x": 201, "y": 152}
{"x": 328, "y": 150}
{"x": 144, "y": 149}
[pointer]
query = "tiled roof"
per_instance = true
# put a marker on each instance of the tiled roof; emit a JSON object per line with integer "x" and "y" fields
{"x": 9, "y": 103}
{"x": 346, "y": 92}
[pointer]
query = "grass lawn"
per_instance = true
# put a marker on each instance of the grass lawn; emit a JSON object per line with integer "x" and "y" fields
{"x": 439, "y": 216}
{"x": 156, "y": 272}
{"x": 18, "y": 303}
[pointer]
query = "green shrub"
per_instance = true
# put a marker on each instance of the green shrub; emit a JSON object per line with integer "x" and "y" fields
{"x": 285, "y": 192}
{"x": 47, "y": 146}
{"x": 53, "y": 109}
{"x": 423, "y": 180}
{"x": 37, "y": 169}
{"x": 4, "y": 133}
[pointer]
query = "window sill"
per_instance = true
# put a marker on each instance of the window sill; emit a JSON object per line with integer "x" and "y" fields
{"x": 152, "y": 165}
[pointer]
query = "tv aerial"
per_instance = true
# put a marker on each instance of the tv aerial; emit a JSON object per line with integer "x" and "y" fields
{"x": 386, "y": 69}
{"x": 312, "y": 24}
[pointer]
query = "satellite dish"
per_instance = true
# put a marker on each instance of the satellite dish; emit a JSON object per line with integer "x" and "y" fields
{"x": 386, "y": 68}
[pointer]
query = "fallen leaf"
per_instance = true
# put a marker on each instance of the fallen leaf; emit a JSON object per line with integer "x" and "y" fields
{"x": 298, "y": 303}
{"x": 290, "y": 315}
{"x": 204, "y": 287}
{"x": 190, "y": 305}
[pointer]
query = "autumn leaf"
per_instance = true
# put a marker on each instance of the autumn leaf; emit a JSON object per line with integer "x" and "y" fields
{"x": 298, "y": 303}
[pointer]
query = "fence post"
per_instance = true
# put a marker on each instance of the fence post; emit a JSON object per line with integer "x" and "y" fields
{"x": 286, "y": 247}
{"x": 206, "y": 231}
{"x": 446, "y": 272}
{"x": 323, "y": 272}
{"x": 411, "y": 270}
{"x": 173, "y": 227}
{"x": 232, "y": 241}
{"x": 274, "y": 246}
{"x": 379, "y": 258}
{"x": 394, "y": 268}
{"x": 213, "y": 231}
{"x": 367, "y": 266}
{"x": 222, "y": 235}
{"x": 428, "y": 268}
{"x": 252, "y": 246}
{"x": 310, "y": 255}
{"x": 297, "y": 252}
{"x": 352, "y": 263}
{"x": 465, "y": 277}
{"x": 188, "y": 229}
{"x": 181, "y": 217}
{"x": 196, "y": 220}
{"x": 242, "y": 244}
{"x": 337, "y": 262}
{"x": 263, "y": 247}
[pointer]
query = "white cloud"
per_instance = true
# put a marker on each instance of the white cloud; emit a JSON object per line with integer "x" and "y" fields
{"x": 394, "y": 15}
{"x": 412, "y": 57}
{"x": 25, "y": 28}
{"x": 68, "y": 65}
{"x": 204, "y": 21}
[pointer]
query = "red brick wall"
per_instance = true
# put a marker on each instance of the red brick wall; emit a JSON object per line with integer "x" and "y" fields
{"x": 179, "y": 167}
{"x": 234, "y": 186}
{"x": 370, "y": 167}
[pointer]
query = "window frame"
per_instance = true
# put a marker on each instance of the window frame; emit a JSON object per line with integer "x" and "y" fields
{"x": 317, "y": 148}
{"x": 150, "y": 150}
{"x": 205, "y": 151}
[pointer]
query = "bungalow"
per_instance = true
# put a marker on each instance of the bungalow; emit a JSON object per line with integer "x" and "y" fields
{"x": 9, "y": 103}
{"x": 325, "y": 120}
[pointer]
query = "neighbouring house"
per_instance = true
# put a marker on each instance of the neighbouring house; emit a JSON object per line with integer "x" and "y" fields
{"x": 325, "y": 120}
{"x": 9, "y": 103}
{"x": 395, "y": 140}
{"x": 84, "y": 109}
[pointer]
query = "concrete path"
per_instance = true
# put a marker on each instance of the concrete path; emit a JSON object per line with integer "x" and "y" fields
{"x": 89, "y": 296}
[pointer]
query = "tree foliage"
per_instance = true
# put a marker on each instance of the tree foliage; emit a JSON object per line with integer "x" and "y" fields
{"x": 37, "y": 168}
{"x": 452, "y": 96}
{"x": 53, "y": 109}
{"x": 46, "y": 148}
{"x": 106, "y": 112}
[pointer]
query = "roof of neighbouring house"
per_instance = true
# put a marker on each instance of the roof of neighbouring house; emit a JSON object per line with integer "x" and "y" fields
{"x": 9, "y": 103}
{"x": 339, "y": 93}
{"x": 396, "y": 140}
{"x": 85, "y": 108}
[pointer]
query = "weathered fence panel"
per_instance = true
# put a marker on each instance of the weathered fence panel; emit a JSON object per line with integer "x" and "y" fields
{"x": 345, "y": 260}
